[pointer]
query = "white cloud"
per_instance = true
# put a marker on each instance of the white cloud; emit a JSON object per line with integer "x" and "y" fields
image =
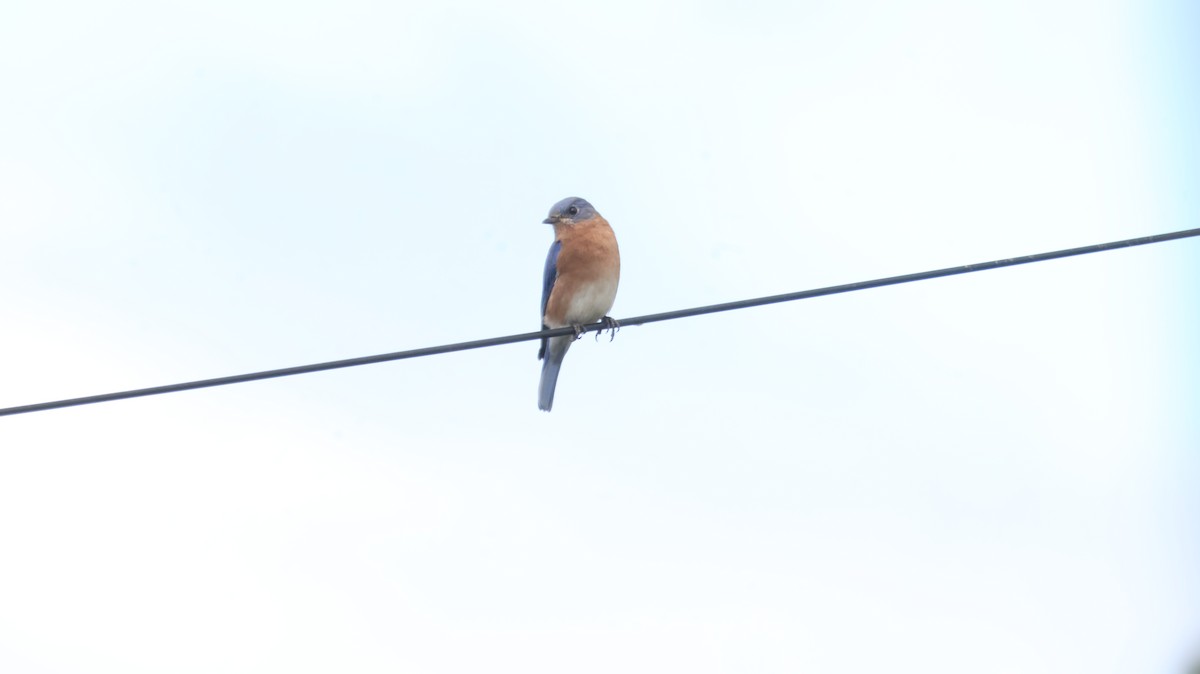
{"x": 989, "y": 464}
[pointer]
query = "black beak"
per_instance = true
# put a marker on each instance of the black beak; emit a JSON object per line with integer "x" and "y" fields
{"x": 550, "y": 221}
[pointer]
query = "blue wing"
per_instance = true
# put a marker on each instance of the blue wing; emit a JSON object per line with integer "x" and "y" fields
{"x": 548, "y": 275}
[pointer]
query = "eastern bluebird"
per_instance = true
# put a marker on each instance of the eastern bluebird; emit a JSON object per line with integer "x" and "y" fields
{"x": 579, "y": 283}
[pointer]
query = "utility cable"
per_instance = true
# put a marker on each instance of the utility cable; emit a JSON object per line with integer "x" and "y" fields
{"x": 638, "y": 320}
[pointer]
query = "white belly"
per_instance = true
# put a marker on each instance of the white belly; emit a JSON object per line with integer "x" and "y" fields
{"x": 592, "y": 302}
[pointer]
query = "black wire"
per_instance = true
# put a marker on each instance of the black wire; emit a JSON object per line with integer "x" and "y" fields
{"x": 906, "y": 278}
{"x": 639, "y": 320}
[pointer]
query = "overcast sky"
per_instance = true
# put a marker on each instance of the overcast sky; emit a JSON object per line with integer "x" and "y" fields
{"x": 989, "y": 473}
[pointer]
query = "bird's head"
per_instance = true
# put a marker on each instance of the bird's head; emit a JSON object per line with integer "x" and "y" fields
{"x": 570, "y": 211}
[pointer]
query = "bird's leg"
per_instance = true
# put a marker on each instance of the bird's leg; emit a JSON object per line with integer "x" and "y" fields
{"x": 578, "y": 330}
{"x": 610, "y": 323}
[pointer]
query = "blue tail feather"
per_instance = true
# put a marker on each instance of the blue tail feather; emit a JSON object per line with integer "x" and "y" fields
{"x": 550, "y": 366}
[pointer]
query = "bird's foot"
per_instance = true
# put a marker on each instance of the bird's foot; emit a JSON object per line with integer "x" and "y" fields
{"x": 578, "y": 330}
{"x": 611, "y": 324}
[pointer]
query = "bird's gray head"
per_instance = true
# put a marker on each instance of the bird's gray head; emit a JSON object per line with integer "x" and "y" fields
{"x": 569, "y": 211}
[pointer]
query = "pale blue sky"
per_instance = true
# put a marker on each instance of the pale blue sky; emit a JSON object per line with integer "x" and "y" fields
{"x": 990, "y": 473}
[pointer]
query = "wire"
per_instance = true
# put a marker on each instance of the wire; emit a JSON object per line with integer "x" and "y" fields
{"x": 639, "y": 320}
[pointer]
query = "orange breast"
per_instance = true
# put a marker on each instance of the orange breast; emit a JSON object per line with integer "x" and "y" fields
{"x": 589, "y": 269}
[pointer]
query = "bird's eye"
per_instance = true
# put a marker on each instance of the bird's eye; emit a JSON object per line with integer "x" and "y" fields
{"x": 573, "y": 210}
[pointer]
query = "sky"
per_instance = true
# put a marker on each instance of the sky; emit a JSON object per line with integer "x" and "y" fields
{"x": 994, "y": 472}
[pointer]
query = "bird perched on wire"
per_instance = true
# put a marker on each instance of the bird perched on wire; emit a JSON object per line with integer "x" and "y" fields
{"x": 579, "y": 283}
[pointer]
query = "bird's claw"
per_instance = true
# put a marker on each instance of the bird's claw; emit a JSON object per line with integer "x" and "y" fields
{"x": 578, "y": 330}
{"x": 611, "y": 324}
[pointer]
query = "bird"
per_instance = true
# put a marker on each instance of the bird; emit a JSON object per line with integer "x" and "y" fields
{"x": 579, "y": 283}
